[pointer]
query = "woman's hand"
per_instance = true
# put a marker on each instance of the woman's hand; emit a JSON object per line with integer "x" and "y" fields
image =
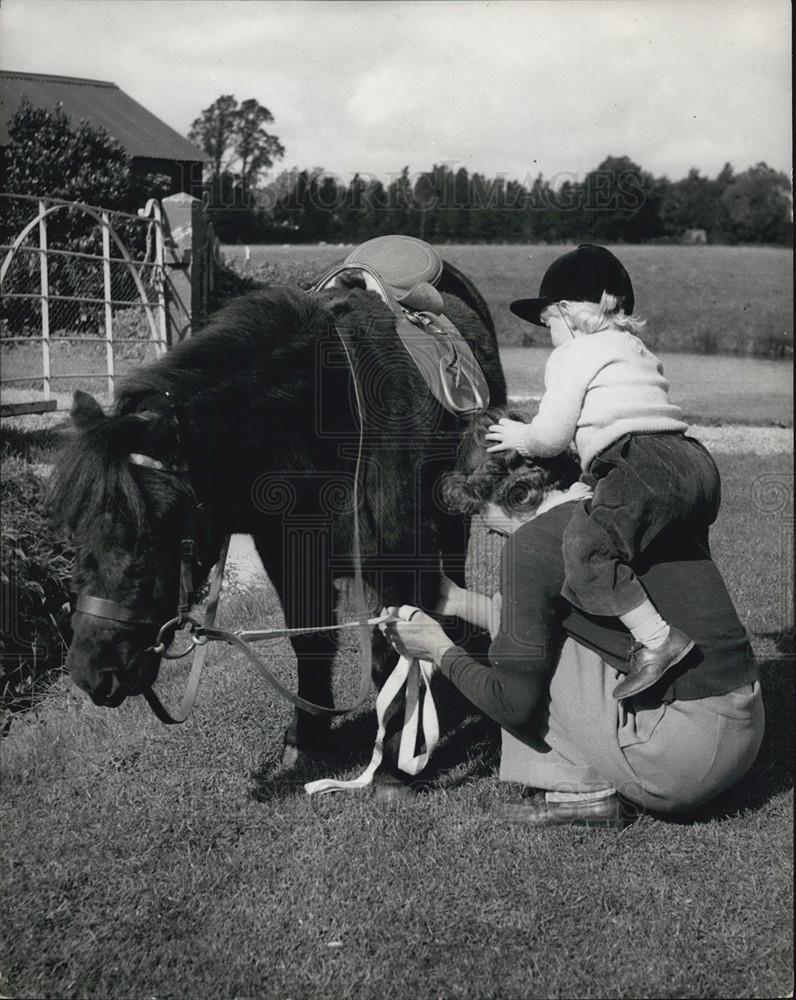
{"x": 415, "y": 635}
{"x": 451, "y": 597}
{"x": 509, "y": 434}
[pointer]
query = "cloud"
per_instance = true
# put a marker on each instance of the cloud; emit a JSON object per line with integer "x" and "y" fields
{"x": 509, "y": 87}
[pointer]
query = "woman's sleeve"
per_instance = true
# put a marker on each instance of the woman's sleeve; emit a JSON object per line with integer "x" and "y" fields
{"x": 523, "y": 654}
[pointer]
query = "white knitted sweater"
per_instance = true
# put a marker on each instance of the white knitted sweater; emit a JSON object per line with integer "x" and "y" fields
{"x": 599, "y": 387}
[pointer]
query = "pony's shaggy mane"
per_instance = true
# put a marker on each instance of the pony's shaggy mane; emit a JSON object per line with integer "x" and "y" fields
{"x": 280, "y": 318}
{"x": 93, "y": 474}
{"x": 90, "y": 477}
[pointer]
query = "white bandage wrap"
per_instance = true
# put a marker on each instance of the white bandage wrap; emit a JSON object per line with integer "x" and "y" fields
{"x": 409, "y": 675}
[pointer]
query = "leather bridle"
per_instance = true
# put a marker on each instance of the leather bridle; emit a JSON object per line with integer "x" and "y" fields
{"x": 194, "y": 554}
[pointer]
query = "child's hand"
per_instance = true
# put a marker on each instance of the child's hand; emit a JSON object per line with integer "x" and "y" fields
{"x": 510, "y": 434}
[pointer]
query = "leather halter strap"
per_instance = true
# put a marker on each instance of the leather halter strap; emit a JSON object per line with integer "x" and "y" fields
{"x": 99, "y": 607}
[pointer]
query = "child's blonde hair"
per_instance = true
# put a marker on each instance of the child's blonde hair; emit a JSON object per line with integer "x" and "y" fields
{"x": 592, "y": 317}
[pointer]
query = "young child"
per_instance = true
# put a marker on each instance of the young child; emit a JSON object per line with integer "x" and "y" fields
{"x": 607, "y": 391}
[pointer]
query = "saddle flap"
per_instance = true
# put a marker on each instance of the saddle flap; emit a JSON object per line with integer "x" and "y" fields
{"x": 444, "y": 359}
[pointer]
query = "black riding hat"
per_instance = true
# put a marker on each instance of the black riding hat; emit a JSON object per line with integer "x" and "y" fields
{"x": 581, "y": 275}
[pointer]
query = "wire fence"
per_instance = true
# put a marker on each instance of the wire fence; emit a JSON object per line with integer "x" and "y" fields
{"x": 83, "y": 298}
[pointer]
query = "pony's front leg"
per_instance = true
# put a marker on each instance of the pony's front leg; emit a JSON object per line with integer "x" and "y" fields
{"x": 307, "y": 597}
{"x": 307, "y": 736}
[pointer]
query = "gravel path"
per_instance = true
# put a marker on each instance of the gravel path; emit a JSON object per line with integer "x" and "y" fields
{"x": 739, "y": 440}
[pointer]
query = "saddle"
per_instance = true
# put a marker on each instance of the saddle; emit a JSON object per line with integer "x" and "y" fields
{"x": 403, "y": 271}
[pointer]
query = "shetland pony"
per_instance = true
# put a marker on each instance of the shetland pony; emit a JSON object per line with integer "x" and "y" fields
{"x": 254, "y": 426}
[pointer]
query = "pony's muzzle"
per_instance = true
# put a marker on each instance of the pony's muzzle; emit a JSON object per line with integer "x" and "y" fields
{"x": 109, "y": 665}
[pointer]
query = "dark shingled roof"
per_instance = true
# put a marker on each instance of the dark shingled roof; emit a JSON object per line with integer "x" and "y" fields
{"x": 139, "y": 131}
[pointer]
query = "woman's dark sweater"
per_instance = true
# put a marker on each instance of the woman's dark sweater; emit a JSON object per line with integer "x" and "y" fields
{"x": 682, "y": 582}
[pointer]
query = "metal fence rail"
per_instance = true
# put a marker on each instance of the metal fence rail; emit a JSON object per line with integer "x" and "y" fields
{"x": 83, "y": 295}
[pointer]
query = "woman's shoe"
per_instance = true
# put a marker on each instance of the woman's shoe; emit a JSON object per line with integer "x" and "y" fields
{"x": 608, "y": 812}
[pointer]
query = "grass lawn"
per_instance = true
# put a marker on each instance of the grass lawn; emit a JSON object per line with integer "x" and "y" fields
{"x": 734, "y": 300}
{"x": 143, "y": 861}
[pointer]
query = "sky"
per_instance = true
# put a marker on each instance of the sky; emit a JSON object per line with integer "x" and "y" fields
{"x": 508, "y": 87}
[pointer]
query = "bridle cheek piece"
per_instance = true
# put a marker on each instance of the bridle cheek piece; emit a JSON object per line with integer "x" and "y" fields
{"x": 194, "y": 524}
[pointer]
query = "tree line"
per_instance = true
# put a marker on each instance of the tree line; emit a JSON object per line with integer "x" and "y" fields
{"x": 618, "y": 201}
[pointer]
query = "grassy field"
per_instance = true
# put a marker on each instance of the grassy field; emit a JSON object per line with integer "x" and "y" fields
{"x": 141, "y": 861}
{"x": 734, "y": 300}
{"x": 24, "y": 361}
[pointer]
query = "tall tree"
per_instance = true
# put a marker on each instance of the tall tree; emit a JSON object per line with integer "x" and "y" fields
{"x": 690, "y": 203}
{"x": 400, "y": 217}
{"x": 256, "y": 148}
{"x": 758, "y": 206}
{"x": 621, "y": 202}
{"x": 236, "y": 141}
{"x": 214, "y": 131}
{"x": 374, "y": 210}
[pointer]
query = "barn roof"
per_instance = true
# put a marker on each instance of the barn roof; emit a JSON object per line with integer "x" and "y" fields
{"x": 139, "y": 131}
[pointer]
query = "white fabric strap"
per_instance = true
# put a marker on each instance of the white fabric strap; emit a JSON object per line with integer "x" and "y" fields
{"x": 408, "y": 762}
{"x": 407, "y": 674}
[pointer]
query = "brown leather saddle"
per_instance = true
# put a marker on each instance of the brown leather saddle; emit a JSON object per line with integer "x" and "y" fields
{"x": 402, "y": 271}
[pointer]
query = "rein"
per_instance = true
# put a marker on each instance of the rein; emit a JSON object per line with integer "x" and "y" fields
{"x": 206, "y": 632}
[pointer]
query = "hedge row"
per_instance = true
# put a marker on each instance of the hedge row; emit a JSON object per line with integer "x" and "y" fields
{"x": 35, "y": 570}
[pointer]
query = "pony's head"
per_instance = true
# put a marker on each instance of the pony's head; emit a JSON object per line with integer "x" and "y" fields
{"x": 115, "y": 488}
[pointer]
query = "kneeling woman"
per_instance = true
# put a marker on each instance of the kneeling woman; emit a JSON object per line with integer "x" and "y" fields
{"x": 553, "y": 668}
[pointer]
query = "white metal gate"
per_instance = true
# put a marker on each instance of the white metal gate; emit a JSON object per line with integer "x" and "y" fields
{"x": 83, "y": 298}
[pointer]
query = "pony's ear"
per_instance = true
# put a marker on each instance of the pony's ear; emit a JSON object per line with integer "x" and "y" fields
{"x": 149, "y": 433}
{"x": 85, "y": 410}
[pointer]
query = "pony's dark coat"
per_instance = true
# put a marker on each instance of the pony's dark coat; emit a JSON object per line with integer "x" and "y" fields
{"x": 262, "y": 411}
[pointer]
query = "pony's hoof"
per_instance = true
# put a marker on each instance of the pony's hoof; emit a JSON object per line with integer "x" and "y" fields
{"x": 296, "y": 759}
{"x": 290, "y": 757}
{"x": 389, "y": 788}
